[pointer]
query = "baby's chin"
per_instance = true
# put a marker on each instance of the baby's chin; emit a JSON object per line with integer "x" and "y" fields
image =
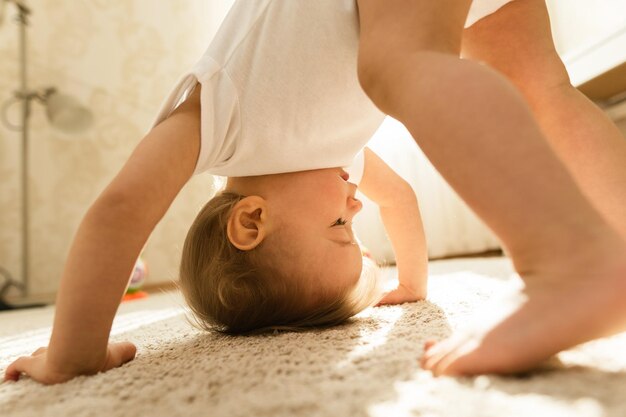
{"x": 342, "y": 289}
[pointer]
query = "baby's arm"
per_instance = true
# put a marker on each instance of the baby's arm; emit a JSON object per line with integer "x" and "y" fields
{"x": 105, "y": 248}
{"x": 401, "y": 217}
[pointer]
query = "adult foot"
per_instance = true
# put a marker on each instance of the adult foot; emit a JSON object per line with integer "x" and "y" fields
{"x": 552, "y": 313}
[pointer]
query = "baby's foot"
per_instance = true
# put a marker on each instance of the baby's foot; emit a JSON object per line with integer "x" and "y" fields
{"x": 551, "y": 314}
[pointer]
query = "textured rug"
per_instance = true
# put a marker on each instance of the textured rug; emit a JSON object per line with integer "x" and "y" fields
{"x": 366, "y": 367}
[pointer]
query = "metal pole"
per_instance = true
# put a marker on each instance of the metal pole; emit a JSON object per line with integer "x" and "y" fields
{"x": 23, "y": 22}
{"x": 25, "y": 96}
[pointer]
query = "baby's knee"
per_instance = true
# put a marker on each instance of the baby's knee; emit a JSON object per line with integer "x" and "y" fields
{"x": 387, "y": 75}
{"x": 371, "y": 72}
{"x": 381, "y": 72}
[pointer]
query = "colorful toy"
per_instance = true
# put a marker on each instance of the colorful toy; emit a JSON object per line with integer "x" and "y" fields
{"x": 365, "y": 252}
{"x": 137, "y": 278}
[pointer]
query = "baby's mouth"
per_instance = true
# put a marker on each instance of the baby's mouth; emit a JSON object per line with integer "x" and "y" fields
{"x": 344, "y": 175}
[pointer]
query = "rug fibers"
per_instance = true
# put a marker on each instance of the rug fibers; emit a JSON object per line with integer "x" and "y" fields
{"x": 366, "y": 367}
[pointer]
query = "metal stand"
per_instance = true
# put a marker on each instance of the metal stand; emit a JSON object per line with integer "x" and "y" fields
{"x": 4, "y": 289}
{"x": 25, "y": 96}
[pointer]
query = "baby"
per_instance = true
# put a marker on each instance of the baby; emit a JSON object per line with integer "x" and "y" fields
{"x": 274, "y": 105}
{"x": 280, "y": 109}
{"x": 279, "y": 250}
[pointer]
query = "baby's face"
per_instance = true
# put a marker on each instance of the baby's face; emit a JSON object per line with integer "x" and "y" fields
{"x": 316, "y": 210}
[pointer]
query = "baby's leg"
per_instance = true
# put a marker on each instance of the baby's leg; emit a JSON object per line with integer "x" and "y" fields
{"x": 517, "y": 41}
{"x": 479, "y": 132}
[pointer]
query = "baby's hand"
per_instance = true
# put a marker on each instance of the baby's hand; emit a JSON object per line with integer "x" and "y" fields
{"x": 400, "y": 295}
{"x": 36, "y": 366}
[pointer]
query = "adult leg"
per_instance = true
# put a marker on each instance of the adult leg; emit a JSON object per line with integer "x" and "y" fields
{"x": 517, "y": 42}
{"x": 479, "y": 132}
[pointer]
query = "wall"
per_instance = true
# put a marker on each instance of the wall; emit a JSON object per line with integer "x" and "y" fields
{"x": 591, "y": 37}
{"x": 581, "y": 27}
{"x": 578, "y": 24}
{"x": 120, "y": 58}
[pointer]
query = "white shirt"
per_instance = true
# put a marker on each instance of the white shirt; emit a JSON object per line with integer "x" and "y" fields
{"x": 280, "y": 92}
{"x": 482, "y": 8}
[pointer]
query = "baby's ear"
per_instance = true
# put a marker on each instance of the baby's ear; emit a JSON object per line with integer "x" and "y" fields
{"x": 247, "y": 226}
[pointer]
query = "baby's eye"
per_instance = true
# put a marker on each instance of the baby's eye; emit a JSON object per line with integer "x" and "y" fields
{"x": 340, "y": 222}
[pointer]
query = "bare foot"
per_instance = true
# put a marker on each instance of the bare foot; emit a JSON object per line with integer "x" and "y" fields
{"x": 551, "y": 314}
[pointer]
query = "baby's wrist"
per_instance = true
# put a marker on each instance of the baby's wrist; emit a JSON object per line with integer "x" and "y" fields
{"x": 74, "y": 364}
{"x": 417, "y": 289}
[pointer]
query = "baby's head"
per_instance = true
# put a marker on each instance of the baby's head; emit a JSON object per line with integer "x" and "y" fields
{"x": 277, "y": 251}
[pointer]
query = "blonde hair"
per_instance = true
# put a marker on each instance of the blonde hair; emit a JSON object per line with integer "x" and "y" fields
{"x": 237, "y": 292}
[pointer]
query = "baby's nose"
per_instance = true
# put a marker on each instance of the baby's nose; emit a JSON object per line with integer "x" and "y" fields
{"x": 354, "y": 204}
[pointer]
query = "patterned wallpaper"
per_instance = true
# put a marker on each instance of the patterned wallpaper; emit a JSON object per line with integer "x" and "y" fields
{"x": 120, "y": 58}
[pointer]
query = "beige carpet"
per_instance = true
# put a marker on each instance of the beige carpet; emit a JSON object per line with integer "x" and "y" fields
{"x": 367, "y": 367}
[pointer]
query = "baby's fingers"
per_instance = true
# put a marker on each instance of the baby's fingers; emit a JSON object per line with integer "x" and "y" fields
{"x": 21, "y": 365}
{"x": 397, "y": 296}
{"x": 118, "y": 354}
{"x": 393, "y": 297}
{"x": 383, "y": 299}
